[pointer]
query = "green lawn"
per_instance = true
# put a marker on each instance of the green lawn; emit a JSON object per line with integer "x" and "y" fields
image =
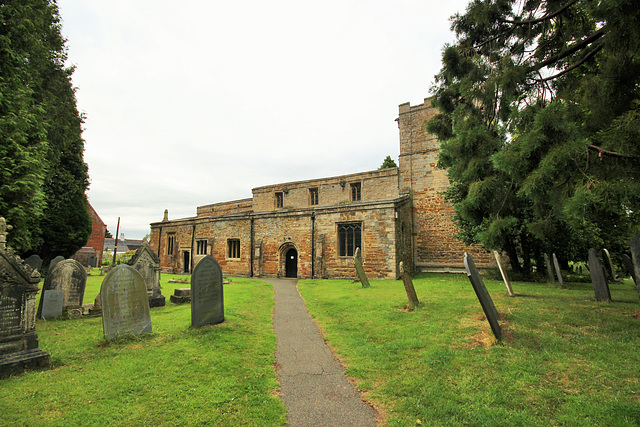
{"x": 565, "y": 359}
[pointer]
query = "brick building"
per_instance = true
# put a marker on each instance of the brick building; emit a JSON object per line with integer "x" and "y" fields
{"x": 311, "y": 228}
{"x": 95, "y": 245}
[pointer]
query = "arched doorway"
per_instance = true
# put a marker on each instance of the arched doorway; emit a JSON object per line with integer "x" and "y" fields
{"x": 291, "y": 263}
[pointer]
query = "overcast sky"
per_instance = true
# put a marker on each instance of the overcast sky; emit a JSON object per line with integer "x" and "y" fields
{"x": 197, "y": 102}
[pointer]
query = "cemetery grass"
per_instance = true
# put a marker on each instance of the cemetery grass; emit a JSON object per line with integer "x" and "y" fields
{"x": 565, "y": 359}
{"x": 215, "y": 375}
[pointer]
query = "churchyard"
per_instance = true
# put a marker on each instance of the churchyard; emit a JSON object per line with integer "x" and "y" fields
{"x": 564, "y": 358}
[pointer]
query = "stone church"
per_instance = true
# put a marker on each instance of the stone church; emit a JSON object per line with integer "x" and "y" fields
{"x": 311, "y": 229}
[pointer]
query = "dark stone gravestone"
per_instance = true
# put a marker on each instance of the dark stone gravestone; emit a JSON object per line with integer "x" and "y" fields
{"x": 54, "y": 262}
{"x": 505, "y": 278}
{"x": 207, "y": 299}
{"x": 598, "y": 278}
{"x": 148, "y": 265}
{"x": 610, "y": 267}
{"x": 547, "y": 264}
{"x": 558, "y": 271}
{"x": 71, "y": 276}
{"x": 628, "y": 264}
{"x": 34, "y": 261}
{"x": 483, "y": 296}
{"x": 52, "y": 303}
{"x": 18, "y": 338}
{"x": 125, "y": 306}
{"x": 408, "y": 286}
{"x": 92, "y": 261}
{"x": 181, "y": 295}
{"x": 635, "y": 258}
{"x": 362, "y": 276}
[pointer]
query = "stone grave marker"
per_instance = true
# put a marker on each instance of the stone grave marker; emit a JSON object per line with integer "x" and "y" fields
{"x": 357, "y": 261}
{"x": 628, "y": 264}
{"x": 125, "y": 306}
{"x": 635, "y": 259}
{"x": 610, "y": 267}
{"x": 181, "y": 296}
{"x": 18, "y": 338}
{"x": 408, "y": 286}
{"x": 52, "y": 303}
{"x": 547, "y": 264}
{"x": 207, "y": 299}
{"x": 92, "y": 261}
{"x": 34, "y": 261}
{"x": 71, "y": 276}
{"x": 558, "y": 272}
{"x": 598, "y": 278}
{"x": 483, "y": 296}
{"x": 148, "y": 265}
{"x": 505, "y": 278}
{"x": 54, "y": 262}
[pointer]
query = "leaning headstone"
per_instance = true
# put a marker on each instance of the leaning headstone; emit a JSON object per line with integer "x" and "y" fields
{"x": 598, "y": 278}
{"x": 125, "y": 306}
{"x": 635, "y": 258}
{"x": 628, "y": 264}
{"x": 357, "y": 261}
{"x": 18, "y": 338}
{"x": 408, "y": 286}
{"x": 54, "y": 262}
{"x": 71, "y": 276}
{"x": 148, "y": 265}
{"x": 34, "y": 261}
{"x": 505, "y": 278}
{"x": 52, "y": 303}
{"x": 483, "y": 296}
{"x": 610, "y": 267}
{"x": 181, "y": 296}
{"x": 207, "y": 299}
{"x": 547, "y": 264}
{"x": 558, "y": 272}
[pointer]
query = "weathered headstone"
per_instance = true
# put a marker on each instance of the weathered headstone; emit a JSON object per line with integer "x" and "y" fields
{"x": 505, "y": 278}
{"x": 148, "y": 265}
{"x": 408, "y": 286}
{"x": 181, "y": 296}
{"x": 52, "y": 303}
{"x": 610, "y": 267}
{"x": 635, "y": 258}
{"x": 628, "y": 264}
{"x": 547, "y": 264}
{"x": 558, "y": 271}
{"x": 92, "y": 261}
{"x": 598, "y": 278}
{"x": 54, "y": 262}
{"x": 125, "y": 306}
{"x": 34, "y": 261}
{"x": 357, "y": 261}
{"x": 207, "y": 299}
{"x": 18, "y": 288}
{"x": 71, "y": 276}
{"x": 483, "y": 296}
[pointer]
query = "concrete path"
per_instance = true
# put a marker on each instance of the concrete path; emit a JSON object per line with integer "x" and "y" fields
{"x": 313, "y": 386}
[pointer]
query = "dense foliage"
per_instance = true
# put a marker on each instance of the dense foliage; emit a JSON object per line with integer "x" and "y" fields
{"x": 540, "y": 122}
{"x": 43, "y": 176}
{"x": 388, "y": 163}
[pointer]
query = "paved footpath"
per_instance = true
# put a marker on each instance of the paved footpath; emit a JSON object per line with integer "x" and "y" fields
{"x": 313, "y": 386}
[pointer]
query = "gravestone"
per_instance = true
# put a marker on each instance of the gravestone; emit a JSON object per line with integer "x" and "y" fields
{"x": 505, "y": 278}
{"x": 54, "y": 262}
{"x": 483, "y": 296}
{"x": 598, "y": 278}
{"x": 635, "y": 258}
{"x": 628, "y": 264}
{"x": 610, "y": 267}
{"x": 558, "y": 272}
{"x": 408, "y": 286}
{"x": 52, "y": 303}
{"x": 92, "y": 261}
{"x": 18, "y": 288}
{"x": 207, "y": 299}
{"x": 181, "y": 295}
{"x": 34, "y": 261}
{"x": 357, "y": 261}
{"x": 125, "y": 306}
{"x": 547, "y": 263}
{"x": 148, "y": 265}
{"x": 71, "y": 276}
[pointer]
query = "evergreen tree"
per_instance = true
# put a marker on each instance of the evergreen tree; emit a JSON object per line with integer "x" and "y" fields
{"x": 540, "y": 105}
{"x": 388, "y": 163}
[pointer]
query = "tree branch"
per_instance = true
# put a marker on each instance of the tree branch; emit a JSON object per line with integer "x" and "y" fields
{"x": 602, "y": 151}
{"x": 570, "y": 50}
{"x": 576, "y": 65}
{"x": 544, "y": 18}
